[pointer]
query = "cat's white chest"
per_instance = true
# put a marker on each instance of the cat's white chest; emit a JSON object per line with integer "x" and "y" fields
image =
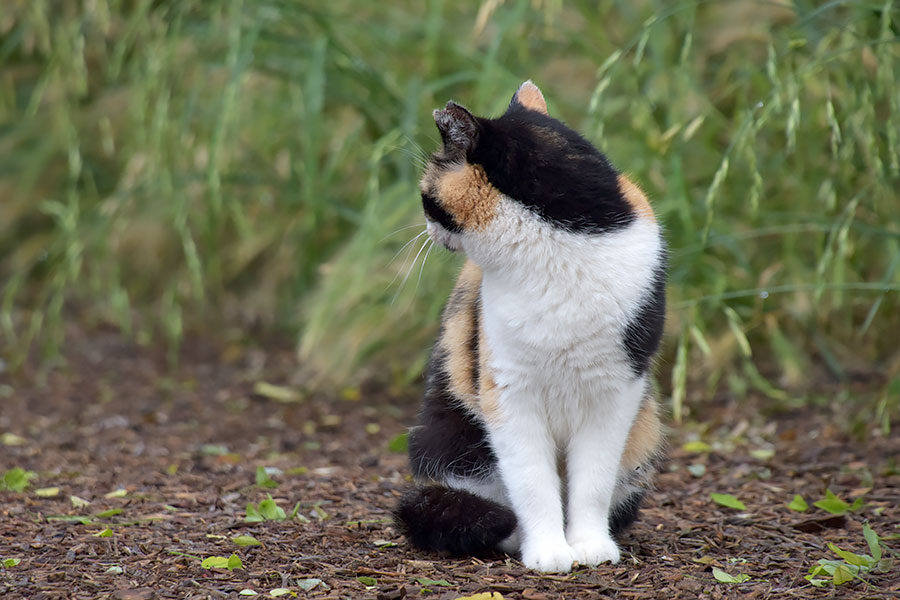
{"x": 555, "y": 326}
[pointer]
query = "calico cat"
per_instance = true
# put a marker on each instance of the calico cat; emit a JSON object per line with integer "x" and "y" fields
{"x": 539, "y": 432}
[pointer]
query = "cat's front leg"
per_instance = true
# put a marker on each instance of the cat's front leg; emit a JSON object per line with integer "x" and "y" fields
{"x": 592, "y": 464}
{"x": 527, "y": 457}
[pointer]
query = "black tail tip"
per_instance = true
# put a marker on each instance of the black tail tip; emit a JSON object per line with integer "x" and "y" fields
{"x": 455, "y": 522}
{"x": 625, "y": 514}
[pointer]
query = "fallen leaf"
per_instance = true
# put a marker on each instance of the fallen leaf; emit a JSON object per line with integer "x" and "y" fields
{"x": 279, "y": 393}
{"x": 308, "y": 584}
{"x": 696, "y": 447}
{"x": 246, "y": 540}
{"x": 724, "y": 577}
{"x": 798, "y": 504}
{"x": 47, "y": 492}
{"x": 426, "y": 582}
{"x": 78, "y": 502}
{"x": 728, "y": 500}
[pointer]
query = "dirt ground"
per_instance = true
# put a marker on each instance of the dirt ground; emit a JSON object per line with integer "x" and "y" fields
{"x": 167, "y": 461}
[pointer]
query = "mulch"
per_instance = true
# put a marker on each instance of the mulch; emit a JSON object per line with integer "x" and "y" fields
{"x": 185, "y": 444}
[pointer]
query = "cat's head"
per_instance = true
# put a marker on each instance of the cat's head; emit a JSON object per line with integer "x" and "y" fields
{"x": 495, "y": 182}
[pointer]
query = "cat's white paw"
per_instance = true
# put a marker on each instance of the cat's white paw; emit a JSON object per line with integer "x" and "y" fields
{"x": 549, "y": 558}
{"x": 600, "y": 549}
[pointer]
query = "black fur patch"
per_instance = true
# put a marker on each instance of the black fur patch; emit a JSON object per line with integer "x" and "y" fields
{"x": 435, "y": 212}
{"x": 448, "y": 440}
{"x": 439, "y": 519}
{"x": 551, "y": 169}
{"x": 625, "y": 513}
{"x": 643, "y": 333}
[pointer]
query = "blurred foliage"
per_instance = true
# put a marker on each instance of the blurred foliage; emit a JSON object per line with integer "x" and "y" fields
{"x": 179, "y": 166}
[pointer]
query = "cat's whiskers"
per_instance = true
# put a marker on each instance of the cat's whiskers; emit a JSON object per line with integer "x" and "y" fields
{"x": 422, "y": 268}
{"x": 404, "y": 246}
{"x": 420, "y": 160}
{"x": 409, "y": 271}
{"x": 409, "y": 245}
{"x": 395, "y": 232}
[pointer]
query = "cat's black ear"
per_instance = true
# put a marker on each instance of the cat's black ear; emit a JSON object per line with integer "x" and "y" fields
{"x": 528, "y": 96}
{"x": 458, "y": 127}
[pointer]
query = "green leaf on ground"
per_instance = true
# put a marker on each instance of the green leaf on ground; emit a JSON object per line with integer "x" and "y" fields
{"x": 11, "y": 439}
{"x": 832, "y": 504}
{"x": 78, "y": 502}
{"x": 84, "y": 520}
{"x": 724, "y": 577}
{"x": 842, "y": 575}
{"x": 253, "y": 515}
{"x": 16, "y": 479}
{"x": 47, "y": 492}
{"x": 854, "y": 559}
{"x": 367, "y": 581}
{"x": 109, "y": 513}
{"x": 440, "y": 582}
{"x": 696, "y": 447}
{"x": 271, "y": 511}
{"x": 119, "y": 493}
{"x": 8, "y": 563}
{"x": 278, "y": 592}
{"x": 309, "y": 583}
{"x": 798, "y": 504}
{"x": 247, "y": 592}
{"x": 762, "y": 453}
{"x": 263, "y": 479}
{"x": 220, "y": 562}
{"x": 211, "y": 450}
{"x": 115, "y": 570}
{"x": 320, "y": 512}
{"x": 268, "y": 510}
{"x": 246, "y": 540}
{"x": 279, "y": 393}
{"x": 105, "y": 533}
{"x": 400, "y": 444}
{"x": 728, "y": 500}
{"x": 873, "y": 541}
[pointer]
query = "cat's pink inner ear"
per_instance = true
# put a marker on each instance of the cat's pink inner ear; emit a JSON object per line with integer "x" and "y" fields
{"x": 531, "y": 97}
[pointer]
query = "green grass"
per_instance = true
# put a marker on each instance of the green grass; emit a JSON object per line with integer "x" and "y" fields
{"x": 181, "y": 167}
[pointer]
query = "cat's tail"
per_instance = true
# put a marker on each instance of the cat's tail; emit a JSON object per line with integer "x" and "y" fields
{"x": 440, "y": 519}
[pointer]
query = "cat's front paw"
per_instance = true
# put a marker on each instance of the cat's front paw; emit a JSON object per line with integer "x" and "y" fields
{"x": 549, "y": 558}
{"x": 591, "y": 552}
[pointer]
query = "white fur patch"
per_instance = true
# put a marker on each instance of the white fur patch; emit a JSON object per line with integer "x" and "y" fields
{"x": 555, "y": 306}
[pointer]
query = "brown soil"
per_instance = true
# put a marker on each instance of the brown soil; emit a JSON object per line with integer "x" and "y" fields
{"x": 185, "y": 446}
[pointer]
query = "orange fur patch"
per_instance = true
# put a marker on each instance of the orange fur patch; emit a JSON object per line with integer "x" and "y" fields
{"x": 467, "y": 194}
{"x": 488, "y": 392}
{"x": 636, "y": 198}
{"x": 459, "y": 323}
{"x": 645, "y": 437}
{"x": 531, "y": 97}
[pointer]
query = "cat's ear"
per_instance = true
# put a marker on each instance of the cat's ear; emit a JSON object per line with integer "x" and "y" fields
{"x": 458, "y": 127}
{"x": 529, "y": 96}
